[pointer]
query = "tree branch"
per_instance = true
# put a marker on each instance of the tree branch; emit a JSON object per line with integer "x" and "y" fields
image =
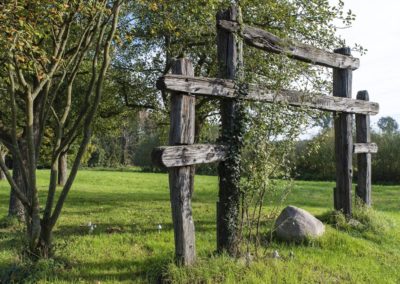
{"x": 13, "y": 184}
{"x": 89, "y": 118}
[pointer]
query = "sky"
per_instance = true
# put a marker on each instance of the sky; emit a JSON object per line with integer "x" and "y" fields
{"x": 377, "y": 28}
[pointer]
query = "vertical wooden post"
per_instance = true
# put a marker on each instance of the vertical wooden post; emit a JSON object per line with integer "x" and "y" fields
{"x": 229, "y": 59}
{"x": 180, "y": 178}
{"x": 363, "y": 135}
{"x": 342, "y": 87}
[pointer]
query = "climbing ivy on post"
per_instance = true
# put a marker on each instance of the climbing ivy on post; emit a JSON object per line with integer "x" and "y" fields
{"x": 230, "y": 58}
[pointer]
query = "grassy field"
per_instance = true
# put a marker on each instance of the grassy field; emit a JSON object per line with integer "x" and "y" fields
{"x": 126, "y": 246}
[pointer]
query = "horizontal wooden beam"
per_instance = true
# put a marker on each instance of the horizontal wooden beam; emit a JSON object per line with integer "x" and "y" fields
{"x": 266, "y": 41}
{"x": 186, "y": 155}
{"x": 362, "y": 148}
{"x": 220, "y": 88}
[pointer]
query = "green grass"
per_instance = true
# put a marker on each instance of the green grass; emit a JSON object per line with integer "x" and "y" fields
{"x": 126, "y": 246}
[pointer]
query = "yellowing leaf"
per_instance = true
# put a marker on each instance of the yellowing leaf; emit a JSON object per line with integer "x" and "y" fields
{"x": 153, "y": 7}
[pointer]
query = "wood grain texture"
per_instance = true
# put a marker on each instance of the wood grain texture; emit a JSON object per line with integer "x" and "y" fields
{"x": 181, "y": 178}
{"x": 342, "y": 87}
{"x": 182, "y": 109}
{"x": 230, "y": 57}
{"x": 267, "y": 41}
{"x": 178, "y": 156}
{"x": 363, "y": 137}
{"x": 365, "y": 148}
{"x": 220, "y": 88}
{"x": 182, "y": 215}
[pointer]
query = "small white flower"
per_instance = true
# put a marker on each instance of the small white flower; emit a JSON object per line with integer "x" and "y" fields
{"x": 159, "y": 227}
{"x": 91, "y": 227}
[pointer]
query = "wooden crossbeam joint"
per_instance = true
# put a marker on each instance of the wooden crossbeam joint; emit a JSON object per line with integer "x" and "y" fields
{"x": 365, "y": 148}
{"x": 267, "y": 41}
{"x": 224, "y": 88}
{"x": 186, "y": 155}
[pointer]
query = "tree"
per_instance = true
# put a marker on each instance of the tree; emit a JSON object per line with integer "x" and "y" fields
{"x": 3, "y": 153}
{"x": 48, "y": 44}
{"x": 388, "y": 124}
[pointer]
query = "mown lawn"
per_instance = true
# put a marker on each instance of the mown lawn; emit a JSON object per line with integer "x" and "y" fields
{"x": 127, "y": 247}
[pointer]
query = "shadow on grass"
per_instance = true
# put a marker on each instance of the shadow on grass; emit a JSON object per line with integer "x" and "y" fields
{"x": 123, "y": 228}
{"x": 60, "y": 269}
{"x": 149, "y": 270}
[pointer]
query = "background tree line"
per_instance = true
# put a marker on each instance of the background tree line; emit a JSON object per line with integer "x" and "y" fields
{"x": 129, "y": 142}
{"x": 315, "y": 158}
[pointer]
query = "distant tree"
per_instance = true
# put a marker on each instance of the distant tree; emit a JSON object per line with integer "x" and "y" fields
{"x": 388, "y": 124}
{"x": 315, "y": 158}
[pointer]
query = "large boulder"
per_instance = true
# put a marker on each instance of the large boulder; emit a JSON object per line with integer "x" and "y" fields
{"x": 295, "y": 225}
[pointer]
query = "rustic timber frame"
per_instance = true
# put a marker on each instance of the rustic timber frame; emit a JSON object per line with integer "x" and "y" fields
{"x": 181, "y": 156}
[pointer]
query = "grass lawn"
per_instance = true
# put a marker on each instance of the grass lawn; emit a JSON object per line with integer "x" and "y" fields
{"x": 126, "y": 246}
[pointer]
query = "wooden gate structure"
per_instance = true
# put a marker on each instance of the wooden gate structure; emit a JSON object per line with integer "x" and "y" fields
{"x": 182, "y": 155}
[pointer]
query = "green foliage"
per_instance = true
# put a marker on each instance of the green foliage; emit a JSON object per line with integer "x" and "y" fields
{"x": 387, "y": 124}
{"x": 386, "y": 163}
{"x": 142, "y": 157}
{"x": 315, "y": 159}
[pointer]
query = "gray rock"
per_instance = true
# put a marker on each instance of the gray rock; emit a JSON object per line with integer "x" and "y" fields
{"x": 295, "y": 224}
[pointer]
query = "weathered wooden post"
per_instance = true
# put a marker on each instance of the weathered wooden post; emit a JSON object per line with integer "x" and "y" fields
{"x": 229, "y": 60}
{"x": 363, "y": 135}
{"x": 342, "y": 87}
{"x": 180, "y": 178}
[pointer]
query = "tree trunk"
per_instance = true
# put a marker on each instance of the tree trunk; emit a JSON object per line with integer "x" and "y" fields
{"x": 45, "y": 243}
{"x": 62, "y": 169}
{"x": 2, "y": 175}
{"x": 15, "y": 208}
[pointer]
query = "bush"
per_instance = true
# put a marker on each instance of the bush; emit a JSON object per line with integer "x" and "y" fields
{"x": 315, "y": 158}
{"x": 386, "y": 163}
